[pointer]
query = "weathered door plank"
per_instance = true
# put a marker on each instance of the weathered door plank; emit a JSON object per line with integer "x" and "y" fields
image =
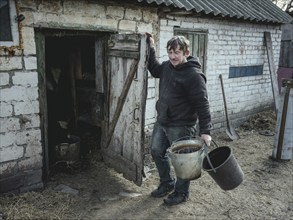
{"x": 127, "y": 77}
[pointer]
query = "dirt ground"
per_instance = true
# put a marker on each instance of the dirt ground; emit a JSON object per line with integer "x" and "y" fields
{"x": 98, "y": 192}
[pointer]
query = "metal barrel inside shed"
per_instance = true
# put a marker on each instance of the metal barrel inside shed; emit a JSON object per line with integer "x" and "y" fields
{"x": 226, "y": 171}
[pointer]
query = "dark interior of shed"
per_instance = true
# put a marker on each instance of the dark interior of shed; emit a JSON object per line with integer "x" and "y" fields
{"x": 72, "y": 131}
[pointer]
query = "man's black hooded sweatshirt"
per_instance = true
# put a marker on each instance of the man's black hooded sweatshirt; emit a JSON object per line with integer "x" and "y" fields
{"x": 182, "y": 93}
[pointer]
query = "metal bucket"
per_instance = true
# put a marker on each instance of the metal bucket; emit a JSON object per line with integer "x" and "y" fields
{"x": 186, "y": 157}
{"x": 68, "y": 151}
{"x": 226, "y": 171}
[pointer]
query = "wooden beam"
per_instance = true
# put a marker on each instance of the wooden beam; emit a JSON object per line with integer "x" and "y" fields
{"x": 289, "y": 85}
{"x": 273, "y": 73}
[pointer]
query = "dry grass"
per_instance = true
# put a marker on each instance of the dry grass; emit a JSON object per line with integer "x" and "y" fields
{"x": 34, "y": 205}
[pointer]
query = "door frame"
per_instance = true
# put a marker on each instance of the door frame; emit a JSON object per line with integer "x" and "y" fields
{"x": 40, "y": 38}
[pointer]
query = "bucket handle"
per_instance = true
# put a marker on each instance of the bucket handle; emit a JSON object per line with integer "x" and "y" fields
{"x": 184, "y": 138}
{"x": 215, "y": 143}
{"x": 188, "y": 138}
{"x": 208, "y": 157}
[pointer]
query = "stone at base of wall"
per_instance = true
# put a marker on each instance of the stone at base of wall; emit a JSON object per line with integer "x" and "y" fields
{"x": 22, "y": 182}
{"x": 33, "y": 187}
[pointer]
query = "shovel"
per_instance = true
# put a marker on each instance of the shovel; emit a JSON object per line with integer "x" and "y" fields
{"x": 230, "y": 130}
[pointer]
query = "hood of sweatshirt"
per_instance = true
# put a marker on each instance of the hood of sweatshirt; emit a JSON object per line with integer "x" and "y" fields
{"x": 191, "y": 62}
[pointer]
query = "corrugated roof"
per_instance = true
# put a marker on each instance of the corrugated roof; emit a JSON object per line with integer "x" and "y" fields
{"x": 252, "y": 10}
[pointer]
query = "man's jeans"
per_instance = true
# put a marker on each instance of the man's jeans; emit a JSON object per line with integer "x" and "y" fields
{"x": 162, "y": 139}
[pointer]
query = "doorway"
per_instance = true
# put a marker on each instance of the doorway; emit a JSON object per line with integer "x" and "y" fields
{"x": 92, "y": 97}
{"x": 73, "y": 125}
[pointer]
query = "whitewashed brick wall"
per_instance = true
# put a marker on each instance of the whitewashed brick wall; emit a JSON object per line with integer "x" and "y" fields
{"x": 231, "y": 44}
{"x": 20, "y": 134}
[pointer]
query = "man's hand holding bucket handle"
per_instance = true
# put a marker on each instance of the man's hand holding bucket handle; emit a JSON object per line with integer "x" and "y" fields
{"x": 206, "y": 139}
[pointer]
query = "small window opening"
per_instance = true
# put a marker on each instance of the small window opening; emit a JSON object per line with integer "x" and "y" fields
{"x": 9, "y": 35}
{"x": 5, "y": 30}
{"x": 241, "y": 71}
{"x": 198, "y": 44}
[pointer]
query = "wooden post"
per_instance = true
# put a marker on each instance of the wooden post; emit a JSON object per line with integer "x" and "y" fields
{"x": 283, "y": 138}
{"x": 273, "y": 73}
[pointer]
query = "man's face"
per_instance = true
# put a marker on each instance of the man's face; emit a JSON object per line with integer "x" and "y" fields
{"x": 177, "y": 56}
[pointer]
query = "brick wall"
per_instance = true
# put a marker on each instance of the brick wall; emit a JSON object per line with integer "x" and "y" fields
{"x": 231, "y": 43}
{"x": 20, "y": 133}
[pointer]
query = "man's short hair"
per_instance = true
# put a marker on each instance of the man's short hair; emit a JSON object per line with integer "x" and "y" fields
{"x": 180, "y": 41}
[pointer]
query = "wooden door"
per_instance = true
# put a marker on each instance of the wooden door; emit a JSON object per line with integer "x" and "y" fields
{"x": 125, "y": 112}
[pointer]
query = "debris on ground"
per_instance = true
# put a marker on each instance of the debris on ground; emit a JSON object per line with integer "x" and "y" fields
{"x": 263, "y": 121}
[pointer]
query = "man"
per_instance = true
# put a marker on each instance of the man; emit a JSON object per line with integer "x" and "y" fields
{"x": 182, "y": 101}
